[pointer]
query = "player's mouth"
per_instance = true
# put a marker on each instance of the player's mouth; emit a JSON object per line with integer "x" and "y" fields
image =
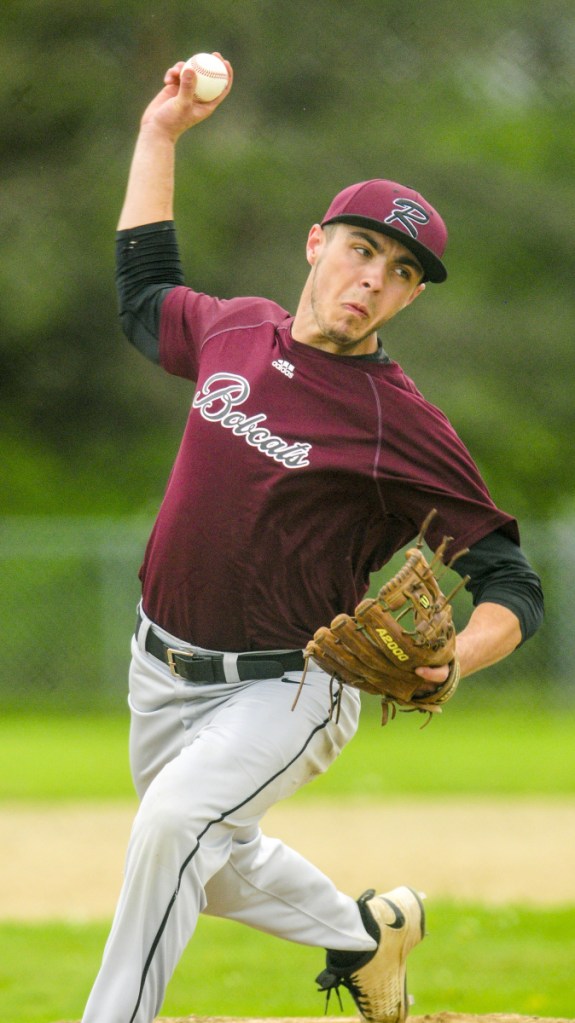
{"x": 357, "y": 309}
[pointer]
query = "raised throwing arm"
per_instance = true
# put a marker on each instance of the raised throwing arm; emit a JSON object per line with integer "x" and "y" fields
{"x": 150, "y": 192}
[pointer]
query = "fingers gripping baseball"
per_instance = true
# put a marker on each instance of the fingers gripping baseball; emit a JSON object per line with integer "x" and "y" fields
{"x": 177, "y": 107}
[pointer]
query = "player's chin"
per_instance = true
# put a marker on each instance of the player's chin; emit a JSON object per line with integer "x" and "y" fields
{"x": 348, "y": 337}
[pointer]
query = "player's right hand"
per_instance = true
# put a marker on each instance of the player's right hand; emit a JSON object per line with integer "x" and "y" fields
{"x": 175, "y": 108}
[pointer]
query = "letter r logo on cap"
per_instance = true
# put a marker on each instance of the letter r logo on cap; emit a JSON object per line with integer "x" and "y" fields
{"x": 408, "y": 214}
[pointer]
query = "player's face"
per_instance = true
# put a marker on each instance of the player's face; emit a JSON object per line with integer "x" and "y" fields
{"x": 360, "y": 279}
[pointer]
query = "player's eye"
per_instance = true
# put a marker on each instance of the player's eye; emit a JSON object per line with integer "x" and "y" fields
{"x": 405, "y": 272}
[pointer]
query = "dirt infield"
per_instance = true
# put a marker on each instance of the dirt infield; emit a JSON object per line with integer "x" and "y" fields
{"x": 65, "y": 861}
{"x": 440, "y": 1017}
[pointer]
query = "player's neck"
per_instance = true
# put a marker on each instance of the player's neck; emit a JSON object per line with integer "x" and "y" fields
{"x": 308, "y": 330}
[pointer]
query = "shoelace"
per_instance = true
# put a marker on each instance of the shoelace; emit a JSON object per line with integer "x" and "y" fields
{"x": 329, "y": 982}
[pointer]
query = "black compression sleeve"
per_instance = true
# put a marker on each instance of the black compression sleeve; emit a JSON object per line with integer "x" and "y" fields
{"x": 501, "y": 573}
{"x": 147, "y": 267}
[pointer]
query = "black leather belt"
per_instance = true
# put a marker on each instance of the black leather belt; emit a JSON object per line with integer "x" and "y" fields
{"x": 210, "y": 668}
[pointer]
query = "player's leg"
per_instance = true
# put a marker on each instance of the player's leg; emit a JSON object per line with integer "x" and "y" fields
{"x": 367, "y": 941}
{"x": 246, "y": 750}
{"x": 267, "y": 885}
{"x": 157, "y": 732}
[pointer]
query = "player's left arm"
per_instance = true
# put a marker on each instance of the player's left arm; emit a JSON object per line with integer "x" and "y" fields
{"x": 492, "y": 633}
{"x": 508, "y": 599}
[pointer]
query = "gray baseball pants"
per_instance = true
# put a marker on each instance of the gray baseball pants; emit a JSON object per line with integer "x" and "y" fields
{"x": 207, "y": 762}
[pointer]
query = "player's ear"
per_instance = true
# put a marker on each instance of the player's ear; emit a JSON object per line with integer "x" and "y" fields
{"x": 418, "y": 290}
{"x": 315, "y": 242}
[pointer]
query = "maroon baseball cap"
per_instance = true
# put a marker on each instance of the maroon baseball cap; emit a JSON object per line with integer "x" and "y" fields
{"x": 399, "y": 212}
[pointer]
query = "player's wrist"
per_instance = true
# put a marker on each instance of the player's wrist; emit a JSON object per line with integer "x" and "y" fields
{"x": 155, "y": 133}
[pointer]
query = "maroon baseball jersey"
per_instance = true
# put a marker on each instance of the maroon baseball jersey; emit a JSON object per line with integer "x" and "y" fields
{"x": 299, "y": 474}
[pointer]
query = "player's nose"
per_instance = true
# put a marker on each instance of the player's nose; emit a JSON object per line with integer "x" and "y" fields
{"x": 373, "y": 280}
{"x": 373, "y": 275}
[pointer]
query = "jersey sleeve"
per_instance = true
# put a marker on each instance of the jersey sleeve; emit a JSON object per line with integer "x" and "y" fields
{"x": 189, "y": 319}
{"x": 431, "y": 468}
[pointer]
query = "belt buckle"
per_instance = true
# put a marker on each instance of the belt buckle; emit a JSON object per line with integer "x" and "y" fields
{"x": 170, "y": 652}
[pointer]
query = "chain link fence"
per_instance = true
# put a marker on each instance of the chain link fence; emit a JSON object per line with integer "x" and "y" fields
{"x": 70, "y": 589}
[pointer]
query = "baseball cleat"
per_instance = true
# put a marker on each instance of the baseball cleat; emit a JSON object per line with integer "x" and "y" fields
{"x": 377, "y": 980}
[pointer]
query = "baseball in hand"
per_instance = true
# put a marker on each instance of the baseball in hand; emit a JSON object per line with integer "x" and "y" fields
{"x": 212, "y": 75}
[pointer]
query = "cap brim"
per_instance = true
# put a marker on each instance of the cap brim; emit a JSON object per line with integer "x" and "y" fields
{"x": 433, "y": 268}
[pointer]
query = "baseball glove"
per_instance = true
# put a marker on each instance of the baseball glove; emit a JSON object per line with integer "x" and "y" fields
{"x": 408, "y": 625}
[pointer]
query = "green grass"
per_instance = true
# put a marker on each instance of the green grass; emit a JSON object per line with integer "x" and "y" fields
{"x": 64, "y": 758}
{"x": 474, "y": 960}
{"x": 508, "y": 751}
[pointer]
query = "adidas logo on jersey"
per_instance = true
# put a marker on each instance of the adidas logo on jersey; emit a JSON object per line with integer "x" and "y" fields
{"x": 284, "y": 367}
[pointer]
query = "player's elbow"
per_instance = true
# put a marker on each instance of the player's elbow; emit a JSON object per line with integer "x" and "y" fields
{"x": 139, "y": 335}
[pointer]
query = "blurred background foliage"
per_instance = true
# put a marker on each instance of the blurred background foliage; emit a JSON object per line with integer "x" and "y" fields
{"x": 471, "y": 104}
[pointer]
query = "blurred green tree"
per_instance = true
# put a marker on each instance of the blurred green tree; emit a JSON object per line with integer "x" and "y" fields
{"x": 474, "y": 106}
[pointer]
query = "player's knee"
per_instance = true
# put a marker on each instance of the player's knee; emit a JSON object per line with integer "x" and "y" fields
{"x": 163, "y": 821}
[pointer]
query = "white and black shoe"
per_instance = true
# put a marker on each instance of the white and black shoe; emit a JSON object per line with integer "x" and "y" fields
{"x": 377, "y": 980}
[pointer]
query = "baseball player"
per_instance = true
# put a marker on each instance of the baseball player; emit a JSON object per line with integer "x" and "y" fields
{"x": 308, "y": 459}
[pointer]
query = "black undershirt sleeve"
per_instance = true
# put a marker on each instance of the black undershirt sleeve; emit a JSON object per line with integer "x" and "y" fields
{"x": 500, "y": 573}
{"x": 147, "y": 268}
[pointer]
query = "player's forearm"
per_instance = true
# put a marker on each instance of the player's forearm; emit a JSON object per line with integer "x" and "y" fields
{"x": 491, "y": 633}
{"x": 150, "y": 192}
